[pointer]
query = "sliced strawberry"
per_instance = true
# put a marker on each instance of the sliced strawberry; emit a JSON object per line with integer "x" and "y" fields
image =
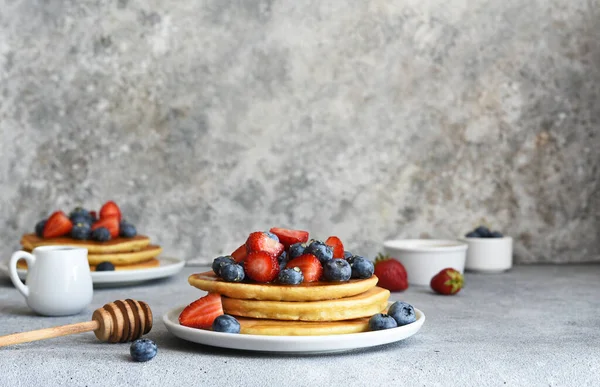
{"x": 289, "y": 237}
{"x": 391, "y": 273}
{"x": 336, "y": 244}
{"x": 111, "y": 223}
{"x": 202, "y": 312}
{"x": 240, "y": 253}
{"x": 58, "y": 225}
{"x": 109, "y": 209}
{"x": 309, "y": 265}
{"x": 259, "y": 241}
{"x": 261, "y": 266}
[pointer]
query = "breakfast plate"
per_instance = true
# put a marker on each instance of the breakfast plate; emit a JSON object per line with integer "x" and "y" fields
{"x": 290, "y": 344}
{"x": 168, "y": 266}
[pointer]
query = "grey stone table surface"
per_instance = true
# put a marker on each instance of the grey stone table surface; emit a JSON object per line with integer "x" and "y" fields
{"x": 532, "y": 326}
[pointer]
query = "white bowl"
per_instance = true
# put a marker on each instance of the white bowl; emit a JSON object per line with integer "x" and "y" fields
{"x": 424, "y": 258}
{"x": 489, "y": 255}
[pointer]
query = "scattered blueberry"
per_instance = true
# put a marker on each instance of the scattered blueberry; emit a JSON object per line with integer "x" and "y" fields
{"x": 105, "y": 266}
{"x": 81, "y": 231}
{"x": 348, "y": 254}
{"x": 402, "y": 312}
{"x": 232, "y": 272}
{"x": 361, "y": 267}
{"x": 496, "y": 234}
{"x": 219, "y": 262}
{"x": 127, "y": 230}
{"x": 291, "y": 276}
{"x": 483, "y": 231}
{"x": 337, "y": 270}
{"x": 272, "y": 236}
{"x": 382, "y": 321}
{"x": 296, "y": 250}
{"x": 320, "y": 250}
{"x": 283, "y": 260}
{"x": 39, "y": 228}
{"x": 101, "y": 234}
{"x": 226, "y": 323}
{"x": 143, "y": 350}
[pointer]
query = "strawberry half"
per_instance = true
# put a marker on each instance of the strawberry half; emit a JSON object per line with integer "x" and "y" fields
{"x": 261, "y": 266}
{"x": 259, "y": 241}
{"x": 240, "y": 253}
{"x": 309, "y": 265}
{"x": 391, "y": 273}
{"x": 111, "y": 223}
{"x": 336, "y": 244}
{"x": 448, "y": 281}
{"x": 202, "y": 312}
{"x": 57, "y": 225}
{"x": 109, "y": 209}
{"x": 289, "y": 237}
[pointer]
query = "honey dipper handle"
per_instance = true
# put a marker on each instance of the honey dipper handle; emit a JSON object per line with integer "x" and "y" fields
{"x": 48, "y": 333}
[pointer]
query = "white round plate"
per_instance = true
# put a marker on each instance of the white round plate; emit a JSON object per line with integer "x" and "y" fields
{"x": 290, "y": 344}
{"x": 168, "y": 267}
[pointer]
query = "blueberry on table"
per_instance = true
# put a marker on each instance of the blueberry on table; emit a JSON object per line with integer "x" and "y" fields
{"x": 402, "y": 312}
{"x": 296, "y": 250}
{"x": 226, "y": 324}
{"x": 127, "y": 230}
{"x": 81, "y": 231}
{"x": 39, "y": 228}
{"x": 361, "y": 267}
{"x": 221, "y": 261}
{"x": 290, "y": 276}
{"x": 381, "y": 321}
{"x": 337, "y": 270}
{"x": 320, "y": 250}
{"x": 105, "y": 266}
{"x": 101, "y": 234}
{"x": 143, "y": 350}
{"x": 232, "y": 272}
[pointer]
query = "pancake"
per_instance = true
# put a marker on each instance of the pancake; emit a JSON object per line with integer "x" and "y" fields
{"x": 310, "y": 291}
{"x": 365, "y": 304}
{"x": 254, "y": 326}
{"x": 129, "y": 258}
{"x": 117, "y": 245}
{"x": 153, "y": 262}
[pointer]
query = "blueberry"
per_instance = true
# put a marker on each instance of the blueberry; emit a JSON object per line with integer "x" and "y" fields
{"x": 347, "y": 254}
{"x": 143, "y": 350}
{"x": 226, "y": 323}
{"x": 232, "y": 272}
{"x": 282, "y": 259}
{"x": 39, "y": 228}
{"x": 473, "y": 234}
{"x": 361, "y": 267}
{"x": 296, "y": 250}
{"x": 320, "y": 250}
{"x": 496, "y": 234}
{"x": 80, "y": 219}
{"x": 80, "y": 212}
{"x": 105, "y": 266}
{"x": 101, "y": 234}
{"x": 127, "y": 230}
{"x": 403, "y": 313}
{"x": 272, "y": 236}
{"x": 382, "y": 321}
{"x": 291, "y": 276}
{"x": 337, "y": 270}
{"x": 219, "y": 262}
{"x": 483, "y": 232}
{"x": 81, "y": 231}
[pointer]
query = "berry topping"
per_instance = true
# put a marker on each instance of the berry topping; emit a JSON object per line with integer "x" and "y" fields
{"x": 261, "y": 266}
{"x": 272, "y": 236}
{"x": 402, "y": 312}
{"x": 110, "y": 209}
{"x": 296, "y": 250}
{"x": 347, "y": 254}
{"x": 100, "y": 234}
{"x": 309, "y": 265}
{"x": 219, "y": 262}
{"x": 81, "y": 231}
{"x": 57, "y": 225}
{"x": 240, "y": 253}
{"x": 483, "y": 231}
{"x": 111, "y": 223}
{"x": 291, "y": 276}
{"x": 232, "y": 272}
{"x": 496, "y": 234}
{"x": 127, "y": 230}
{"x": 282, "y": 260}
{"x": 448, "y": 281}
{"x": 105, "y": 266}
{"x": 361, "y": 267}
{"x": 289, "y": 237}
{"x": 260, "y": 241}
{"x": 381, "y": 321}
{"x": 391, "y": 273}
{"x": 80, "y": 215}
{"x": 39, "y": 228}
{"x": 143, "y": 350}
{"x": 336, "y": 244}
{"x": 337, "y": 270}
{"x": 320, "y": 250}
{"x": 202, "y": 312}
{"x": 226, "y": 323}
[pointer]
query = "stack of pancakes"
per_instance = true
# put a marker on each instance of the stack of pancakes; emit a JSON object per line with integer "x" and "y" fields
{"x": 308, "y": 309}
{"x": 123, "y": 253}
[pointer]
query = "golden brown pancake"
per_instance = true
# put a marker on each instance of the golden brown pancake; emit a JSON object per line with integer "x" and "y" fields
{"x": 117, "y": 245}
{"x": 365, "y": 304}
{"x": 153, "y": 262}
{"x": 309, "y": 291}
{"x": 254, "y": 326}
{"x": 129, "y": 258}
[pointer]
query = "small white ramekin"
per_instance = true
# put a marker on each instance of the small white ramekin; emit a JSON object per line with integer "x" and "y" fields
{"x": 424, "y": 258}
{"x": 489, "y": 255}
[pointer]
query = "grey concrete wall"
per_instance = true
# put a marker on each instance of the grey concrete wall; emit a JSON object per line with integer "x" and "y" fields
{"x": 209, "y": 119}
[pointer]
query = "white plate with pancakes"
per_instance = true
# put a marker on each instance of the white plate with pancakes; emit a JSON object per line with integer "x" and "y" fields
{"x": 290, "y": 344}
{"x": 168, "y": 266}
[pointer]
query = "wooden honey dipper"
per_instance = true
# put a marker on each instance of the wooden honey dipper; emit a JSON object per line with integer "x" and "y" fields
{"x": 116, "y": 322}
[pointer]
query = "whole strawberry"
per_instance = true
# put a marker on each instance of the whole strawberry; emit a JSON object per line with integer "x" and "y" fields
{"x": 448, "y": 281}
{"x": 391, "y": 273}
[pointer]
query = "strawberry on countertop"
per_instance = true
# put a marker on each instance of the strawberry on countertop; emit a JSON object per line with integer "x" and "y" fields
{"x": 391, "y": 273}
{"x": 448, "y": 281}
{"x": 202, "y": 312}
